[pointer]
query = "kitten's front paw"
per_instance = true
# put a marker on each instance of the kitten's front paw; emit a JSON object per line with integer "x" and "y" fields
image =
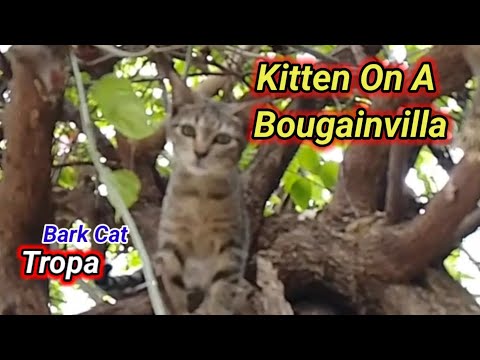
{"x": 203, "y": 309}
{"x": 200, "y": 311}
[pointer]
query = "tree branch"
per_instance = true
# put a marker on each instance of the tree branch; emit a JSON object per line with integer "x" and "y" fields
{"x": 469, "y": 224}
{"x": 272, "y": 160}
{"x": 396, "y": 199}
{"x": 267, "y": 299}
{"x": 407, "y": 251}
{"x": 363, "y": 170}
{"x": 316, "y": 256}
{"x": 369, "y": 163}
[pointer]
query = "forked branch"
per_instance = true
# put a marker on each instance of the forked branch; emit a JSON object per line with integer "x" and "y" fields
{"x": 436, "y": 232}
{"x": 365, "y": 167}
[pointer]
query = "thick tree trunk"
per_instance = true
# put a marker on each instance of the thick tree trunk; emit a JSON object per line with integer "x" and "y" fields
{"x": 25, "y": 188}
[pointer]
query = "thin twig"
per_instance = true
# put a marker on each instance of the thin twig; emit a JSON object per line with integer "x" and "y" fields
{"x": 388, "y": 52}
{"x": 320, "y": 56}
{"x": 166, "y": 103}
{"x": 159, "y": 78}
{"x": 104, "y": 174}
{"x": 188, "y": 61}
{"x": 470, "y": 257}
{"x": 443, "y": 156}
{"x": 56, "y": 171}
{"x": 99, "y": 60}
{"x": 152, "y": 49}
{"x": 72, "y": 164}
{"x": 95, "y": 292}
{"x": 110, "y": 164}
{"x": 358, "y": 53}
{"x": 241, "y": 51}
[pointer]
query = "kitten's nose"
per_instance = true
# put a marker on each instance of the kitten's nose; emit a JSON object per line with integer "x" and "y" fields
{"x": 200, "y": 154}
{"x": 194, "y": 299}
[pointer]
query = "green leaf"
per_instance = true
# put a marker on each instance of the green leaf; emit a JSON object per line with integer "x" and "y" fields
{"x": 451, "y": 265}
{"x": 68, "y": 178}
{"x": 133, "y": 259}
{"x": 113, "y": 248}
{"x": 414, "y": 52}
{"x": 428, "y": 182}
{"x": 325, "y": 49}
{"x": 271, "y": 204}
{"x": 289, "y": 178}
{"x": 317, "y": 188}
{"x": 179, "y": 66}
{"x": 121, "y": 107}
{"x": 291, "y": 174}
{"x": 309, "y": 159}
{"x": 57, "y": 298}
{"x": 329, "y": 173}
{"x": 425, "y": 157}
{"x": 247, "y": 156}
{"x": 301, "y": 192}
{"x": 275, "y": 199}
{"x": 128, "y": 185}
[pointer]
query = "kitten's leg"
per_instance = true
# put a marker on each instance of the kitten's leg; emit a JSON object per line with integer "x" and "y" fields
{"x": 171, "y": 263}
{"x": 223, "y": 296}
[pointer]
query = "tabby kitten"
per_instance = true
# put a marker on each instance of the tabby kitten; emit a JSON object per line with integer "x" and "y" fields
{"x": 203, "y": 232}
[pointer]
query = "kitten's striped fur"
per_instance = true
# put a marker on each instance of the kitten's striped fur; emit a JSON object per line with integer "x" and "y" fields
{"x": 203, "y": 235}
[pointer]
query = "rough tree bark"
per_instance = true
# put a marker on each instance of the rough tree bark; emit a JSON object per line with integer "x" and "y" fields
{"x": 359, "y": 256}
{"x": 37, "y": 86}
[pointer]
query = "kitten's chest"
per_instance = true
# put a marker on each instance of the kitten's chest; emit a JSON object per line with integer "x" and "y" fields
{"x": 194, "y": 196}
{"x": 203, "y": 211}
{"x": 202, "y": 197}
{"x": 202, "y": 218}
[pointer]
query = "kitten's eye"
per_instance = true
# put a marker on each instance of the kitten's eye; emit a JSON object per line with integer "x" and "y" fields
{"x": 222, "y": 139}
{"x": 188, "y": 130}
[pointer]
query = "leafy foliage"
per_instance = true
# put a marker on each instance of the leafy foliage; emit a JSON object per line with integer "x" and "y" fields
{"x": 57, "y": 297}
{"x": 121, "y": 107}
{"x": 248, "y": 156}
{"x": 451, "y": 265}
{"x": 68, "y": 177}
{"x": 309, "y": 175}
{"x": 128, "y": 185}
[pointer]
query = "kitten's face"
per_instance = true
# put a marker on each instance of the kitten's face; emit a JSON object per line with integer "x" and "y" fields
{"x": 205, "y": 139}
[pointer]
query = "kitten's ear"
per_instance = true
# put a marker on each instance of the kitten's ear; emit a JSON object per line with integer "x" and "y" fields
{"x": 181, "y": 93}
{"x": 243, "y": 108}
